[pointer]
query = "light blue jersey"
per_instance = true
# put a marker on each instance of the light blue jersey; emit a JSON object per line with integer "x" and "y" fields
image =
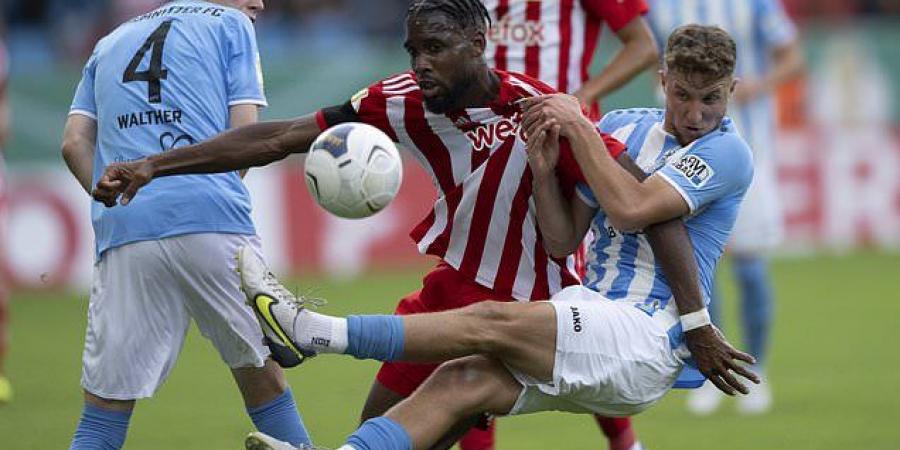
{"x": 160, "y": 81}
{"x": 711, "y": 174}
{"x": 757, "y": 27}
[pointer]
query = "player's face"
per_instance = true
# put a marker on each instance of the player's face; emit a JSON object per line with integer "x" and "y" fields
{"x": 695, "y": 105}
{"x": 252, "y": 8}
{"x": 444, "y": 58}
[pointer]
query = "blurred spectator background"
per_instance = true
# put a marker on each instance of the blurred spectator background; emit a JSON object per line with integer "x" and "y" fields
{"x": 838, "y": 150}
{"x": 839, "y": 156}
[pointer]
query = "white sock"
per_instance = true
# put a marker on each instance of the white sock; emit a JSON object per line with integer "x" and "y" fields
{"x": 324, "y": 334}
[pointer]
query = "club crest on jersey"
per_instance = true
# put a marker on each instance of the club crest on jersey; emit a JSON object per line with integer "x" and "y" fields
{"x": 505, "y": 32}
{"x": 695, "y": 169}
{"x": 487, "y": 135}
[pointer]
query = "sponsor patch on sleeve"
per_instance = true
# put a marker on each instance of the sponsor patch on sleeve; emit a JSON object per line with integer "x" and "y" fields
{"x": 358, "y": 97}
{"x": 695, "y": 169}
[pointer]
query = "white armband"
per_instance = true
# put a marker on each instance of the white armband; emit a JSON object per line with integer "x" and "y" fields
{"x": 694, "y": 320}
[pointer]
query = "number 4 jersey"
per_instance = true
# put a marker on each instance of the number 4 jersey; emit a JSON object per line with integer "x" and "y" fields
{"x": 163, "y": 80}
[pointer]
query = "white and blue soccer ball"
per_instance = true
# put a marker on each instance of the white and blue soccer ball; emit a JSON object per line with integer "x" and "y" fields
{"x": 353, "y": 170}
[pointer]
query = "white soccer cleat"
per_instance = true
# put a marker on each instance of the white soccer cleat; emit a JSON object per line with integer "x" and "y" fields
{"x": 261, "y": 441}
{"x": 258, "y": 440}
{"x": 275, "y": 306}
{"x": 704, "y": 400}
{"x": 758, "y": 401}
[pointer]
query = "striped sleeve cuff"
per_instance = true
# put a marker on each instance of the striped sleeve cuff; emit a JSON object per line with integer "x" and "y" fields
{"x": 82, "y": 112}
{"x": 248, "y": 101}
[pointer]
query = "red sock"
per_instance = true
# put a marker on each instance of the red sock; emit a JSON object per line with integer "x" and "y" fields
{"x": 479, "y": 439}
{"x": 618, "y": 431}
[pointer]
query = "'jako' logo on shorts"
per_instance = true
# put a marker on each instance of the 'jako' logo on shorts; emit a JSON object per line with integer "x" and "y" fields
{"x": 576, "y": 319}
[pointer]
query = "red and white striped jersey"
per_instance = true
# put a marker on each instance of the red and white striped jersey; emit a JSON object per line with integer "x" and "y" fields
{"x": 553, "y": 40}
{"x": 483, "y": 223}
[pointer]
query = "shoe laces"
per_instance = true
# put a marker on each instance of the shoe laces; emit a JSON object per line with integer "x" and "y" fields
{"x": 299, "y": 302}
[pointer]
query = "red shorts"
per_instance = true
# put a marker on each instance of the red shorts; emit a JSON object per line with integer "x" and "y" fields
{"x": 442, "y": 289}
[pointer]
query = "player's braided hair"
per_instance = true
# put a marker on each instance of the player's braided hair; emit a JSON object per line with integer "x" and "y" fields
{"x": 705, "y": 50}
{"x": 468, "y": 14}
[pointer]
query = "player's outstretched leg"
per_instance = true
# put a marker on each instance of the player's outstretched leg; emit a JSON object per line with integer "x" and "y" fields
{"x": 463, "y": 387}
{"x": 522, "y": 334}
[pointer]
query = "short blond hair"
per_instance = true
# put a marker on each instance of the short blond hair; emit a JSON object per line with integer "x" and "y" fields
{"x": 705, "y": 50}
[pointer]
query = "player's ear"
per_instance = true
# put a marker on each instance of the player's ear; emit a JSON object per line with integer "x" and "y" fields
{"x": 734, "y": 83}
{"x": 662, "y": 79}
{"x": 479, "y": 43}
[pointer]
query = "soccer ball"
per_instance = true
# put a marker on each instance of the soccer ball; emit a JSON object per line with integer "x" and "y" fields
{"x": 353, "y": 170}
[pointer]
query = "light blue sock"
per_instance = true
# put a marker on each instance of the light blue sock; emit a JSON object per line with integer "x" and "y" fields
{"x": 375, "y": 337}
{"x": 380, "y": 433}
{"x": 752, "y": 274}
{"x": 100, "y": 429}
{"x": 280, "y": 419}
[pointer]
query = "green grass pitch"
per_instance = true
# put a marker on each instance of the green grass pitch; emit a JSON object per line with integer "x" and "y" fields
{"x": 834, "y": 369}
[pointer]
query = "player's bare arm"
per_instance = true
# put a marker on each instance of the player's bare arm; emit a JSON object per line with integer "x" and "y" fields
{"x": 79, "y": 140}
{"x": 241, "y": 148}
{"x": 715, "y": 357}
{"x": 787, "y": 64}
{"x": 638, "y": 52}
{"x": 562, "y": 222}
{"x": 631, "y": 205}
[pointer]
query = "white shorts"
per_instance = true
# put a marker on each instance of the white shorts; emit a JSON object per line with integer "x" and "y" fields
{"x": 760, "y": 223}
{"x": 143, "y": 297}
{"x": 611, "y": 359}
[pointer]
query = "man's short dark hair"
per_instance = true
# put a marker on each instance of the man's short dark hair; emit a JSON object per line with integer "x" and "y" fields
{"x": 467, "y": 14}
{"x": 699, "y": 49}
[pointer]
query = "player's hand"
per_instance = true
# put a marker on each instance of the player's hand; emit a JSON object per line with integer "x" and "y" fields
{"x": 718, "y": 360}
{"x": 562, "y": 108}
{"x": 122, "y": 178}
{"x": 584, "y": 98}
{"x": 543, "y": 149}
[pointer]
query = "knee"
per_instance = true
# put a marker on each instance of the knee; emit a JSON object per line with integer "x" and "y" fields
{"x": 107, "y": 404}
{"x": 464, "y": 383}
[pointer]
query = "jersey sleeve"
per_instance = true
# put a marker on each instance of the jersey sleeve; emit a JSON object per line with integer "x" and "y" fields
{"x": 368, "y": 105}
{"x": 244, "y": 68}
{"x": 617, "y": 13}
{"x": 613, "y": 120}
{"x": 84, "y": 102}
{"x": 774, "y": 27}
{"x": 713, "y": 170}
{"x": 567, "y": 168}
